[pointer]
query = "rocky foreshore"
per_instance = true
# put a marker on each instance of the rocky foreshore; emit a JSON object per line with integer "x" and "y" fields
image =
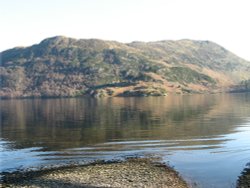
{"x": 129, "y": 173}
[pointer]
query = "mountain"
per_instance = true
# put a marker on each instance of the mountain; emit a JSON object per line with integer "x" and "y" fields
{"x": 66, "y": 67}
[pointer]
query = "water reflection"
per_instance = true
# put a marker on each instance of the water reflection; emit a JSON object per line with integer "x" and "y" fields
{"x": 70, "y": 123}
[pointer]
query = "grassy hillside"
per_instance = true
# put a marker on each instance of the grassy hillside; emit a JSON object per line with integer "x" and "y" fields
{"x": 66, "y": 67}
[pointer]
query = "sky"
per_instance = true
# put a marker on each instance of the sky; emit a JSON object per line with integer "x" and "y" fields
{"x": 226, "y": 22}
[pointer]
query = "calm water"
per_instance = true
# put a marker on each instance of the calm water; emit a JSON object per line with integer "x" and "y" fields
{"x": 205, "y": 137}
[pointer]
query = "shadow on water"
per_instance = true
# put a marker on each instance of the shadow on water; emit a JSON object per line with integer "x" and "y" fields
{"x": 244, "y": 179}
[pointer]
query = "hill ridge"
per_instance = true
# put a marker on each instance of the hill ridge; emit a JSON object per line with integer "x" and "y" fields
{"x": 66, "y": 67}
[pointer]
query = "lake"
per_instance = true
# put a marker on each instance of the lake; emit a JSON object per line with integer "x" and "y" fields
{"x": 204, "y": 137}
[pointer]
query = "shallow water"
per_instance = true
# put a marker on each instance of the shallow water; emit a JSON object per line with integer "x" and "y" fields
{"x": 205, "y": 137}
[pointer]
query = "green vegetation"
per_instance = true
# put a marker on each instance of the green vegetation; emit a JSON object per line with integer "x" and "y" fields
{"x": 145, "y": 91}
{"x": 187, "y": 75}
{"x": 246, "y": 84}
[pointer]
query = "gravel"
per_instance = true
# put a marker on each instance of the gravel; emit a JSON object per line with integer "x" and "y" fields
{"x": 129, "y": 173}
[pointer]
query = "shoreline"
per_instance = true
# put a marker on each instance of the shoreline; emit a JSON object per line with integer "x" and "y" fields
{"x": 124, "y": 96}
{"x": 134, "y": 172}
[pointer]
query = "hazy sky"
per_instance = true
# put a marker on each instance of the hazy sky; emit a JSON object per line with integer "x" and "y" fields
{"x": 226, "y": 22}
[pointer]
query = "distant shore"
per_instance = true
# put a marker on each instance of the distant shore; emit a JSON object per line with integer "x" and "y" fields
{"x": 129, "y": 173}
